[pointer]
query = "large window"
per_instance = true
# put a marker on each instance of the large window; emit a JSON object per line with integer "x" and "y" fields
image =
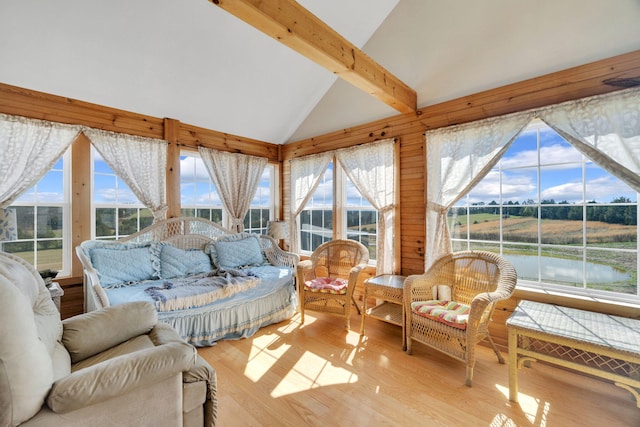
{"x": 199, "y": 197}
{"x": 118, "y": 212}
{"x": 257, "y": 218}
{"x": 316, "y": 219}
{"x": 356, "y": 220}
{"x": 564, "y": 222}
{"x": 42, "y": 213}
{"x": 361, "y": 218}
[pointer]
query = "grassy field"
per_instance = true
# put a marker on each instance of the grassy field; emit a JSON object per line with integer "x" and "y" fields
{"x": 558, "y": 232}
{"x": 51, "y": 258}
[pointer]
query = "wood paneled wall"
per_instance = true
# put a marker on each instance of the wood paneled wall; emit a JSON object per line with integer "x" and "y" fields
{"x": 408, "y": 129}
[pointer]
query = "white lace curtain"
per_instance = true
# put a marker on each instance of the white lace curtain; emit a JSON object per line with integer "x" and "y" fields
{"x": 306, "y": 173}
{"x": 236, "y": 177}
{"x": 371, "y": 169}
{"x": 140, "y": 162}
{"x": 29, "y": 149}
{"x": 605, "y": 128}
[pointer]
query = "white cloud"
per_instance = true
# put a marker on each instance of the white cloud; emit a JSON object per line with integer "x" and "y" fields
{"x": 549, "y": 154}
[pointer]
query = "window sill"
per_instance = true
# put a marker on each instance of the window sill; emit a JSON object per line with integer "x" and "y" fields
{"x": 591, "y": 303}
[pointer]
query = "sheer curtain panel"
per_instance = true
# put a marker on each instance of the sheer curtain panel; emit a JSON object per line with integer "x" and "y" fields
{"x": 605, "y": 128}
{"x": 371, "y": 168}
{"x": 236, "y": 177}
{"x": 458, "y": 157}
{"x": 29, "y": 149}
{"x": 140, "y": 162}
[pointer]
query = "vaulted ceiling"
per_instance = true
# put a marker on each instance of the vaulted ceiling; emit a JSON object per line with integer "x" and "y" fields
{"x": 195, "y": 62}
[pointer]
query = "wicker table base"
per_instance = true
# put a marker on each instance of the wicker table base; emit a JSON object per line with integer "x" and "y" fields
{"x": 597, "y": 344}
{"x": 388, "y": 289}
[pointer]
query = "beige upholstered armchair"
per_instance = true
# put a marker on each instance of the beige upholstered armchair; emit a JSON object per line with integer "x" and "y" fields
{"x": 327, "y": 279}
{"x": 449, "y": 307}
{"x": 115, "y": 366}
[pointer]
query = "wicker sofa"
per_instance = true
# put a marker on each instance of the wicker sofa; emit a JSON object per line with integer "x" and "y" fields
{"x": 244, "y": 281}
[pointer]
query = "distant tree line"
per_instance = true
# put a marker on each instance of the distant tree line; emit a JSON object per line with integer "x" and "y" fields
{"x": 615, "y": 213}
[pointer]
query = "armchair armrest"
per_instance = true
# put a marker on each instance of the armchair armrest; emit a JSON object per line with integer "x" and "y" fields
{"x": 163, "y": 334}
{"x": 120, "y": 375}
{"x": 92, "y": 333}
{"x": 417, "y": 287}
{"x": 276, "y": 255}
{"x": 302, "y": 269}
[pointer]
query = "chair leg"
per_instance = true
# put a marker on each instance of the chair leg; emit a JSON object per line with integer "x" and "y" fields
{"x": 356, "y": 304}
{"x": 495, "y": 349}
{"x": 302, "y": 313}
{"x": 469, "y": 375}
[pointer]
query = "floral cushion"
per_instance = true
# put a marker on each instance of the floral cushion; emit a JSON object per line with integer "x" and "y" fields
{"x": 327, "y": 285}
{"x": 448, "y": 312}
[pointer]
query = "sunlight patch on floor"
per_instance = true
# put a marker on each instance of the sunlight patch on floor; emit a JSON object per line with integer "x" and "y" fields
{"x": 502, "y": 420}
{"x": 301, "y": 378}
{"x": 536, "y": 411}
{"x": 262, "y": 361}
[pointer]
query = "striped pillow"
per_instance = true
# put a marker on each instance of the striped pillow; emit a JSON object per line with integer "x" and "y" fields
{"x": 448, "y": 312}
{"x": 327, "y": 285}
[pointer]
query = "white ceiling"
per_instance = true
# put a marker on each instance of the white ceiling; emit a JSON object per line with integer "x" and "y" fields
{"x": 192, "y": 61}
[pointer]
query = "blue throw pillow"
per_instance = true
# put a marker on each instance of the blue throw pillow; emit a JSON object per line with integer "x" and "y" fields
{"x": 237, "y": 250}
{"x": 121, "y": 263}
{"x": 170, "y": 262}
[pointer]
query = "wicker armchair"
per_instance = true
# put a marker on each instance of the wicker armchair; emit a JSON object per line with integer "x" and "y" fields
{"x": 326, "y": 281}
{"x": 476, "y": 279}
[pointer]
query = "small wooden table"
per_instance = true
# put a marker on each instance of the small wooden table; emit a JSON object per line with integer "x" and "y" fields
{"x": 597, "y": 344}
{"x": 388, "y": 289}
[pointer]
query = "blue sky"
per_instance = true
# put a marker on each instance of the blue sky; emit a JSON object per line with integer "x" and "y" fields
{"x": 561, "y": 174}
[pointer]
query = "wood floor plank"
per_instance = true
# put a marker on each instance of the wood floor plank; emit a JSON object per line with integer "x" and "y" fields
{"x": 318, "y": 374}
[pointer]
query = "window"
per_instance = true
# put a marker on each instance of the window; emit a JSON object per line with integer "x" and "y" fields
{"x": 362, "y": 219}
{"x": 42, "y": 213}
{"x": 199, "y": 197}
{"x": 564, "y": 222}
{"x": 357, "y": 220}
{"x": 257, "y": 218}
{"x": 118, "y": 212}
{"x": 316, "y": 219}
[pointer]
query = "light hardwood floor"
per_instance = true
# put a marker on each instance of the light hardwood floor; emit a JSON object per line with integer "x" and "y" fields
{"x": 318, "y": 374}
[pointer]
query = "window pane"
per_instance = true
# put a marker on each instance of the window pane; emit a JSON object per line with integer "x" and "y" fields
{"x": 519, "y": 227}
{"x": 105, "y": 222}
{"x": 612, "y": 270}
{"x": 104, "y": 188}
{"x": 26, "y": 227}
{"x": 50, "y": 255}
{"x": 49, "y": 222}
{"x": 602, "y": 187}
{"x": 51, "y": 187}
{"x": 22, "y": 249}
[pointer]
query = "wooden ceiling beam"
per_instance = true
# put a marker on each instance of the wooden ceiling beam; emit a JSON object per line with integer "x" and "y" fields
{"x": 296, "y": 27}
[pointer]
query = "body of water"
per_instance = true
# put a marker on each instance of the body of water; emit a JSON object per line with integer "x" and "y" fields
{"x": 564, "y": 270}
